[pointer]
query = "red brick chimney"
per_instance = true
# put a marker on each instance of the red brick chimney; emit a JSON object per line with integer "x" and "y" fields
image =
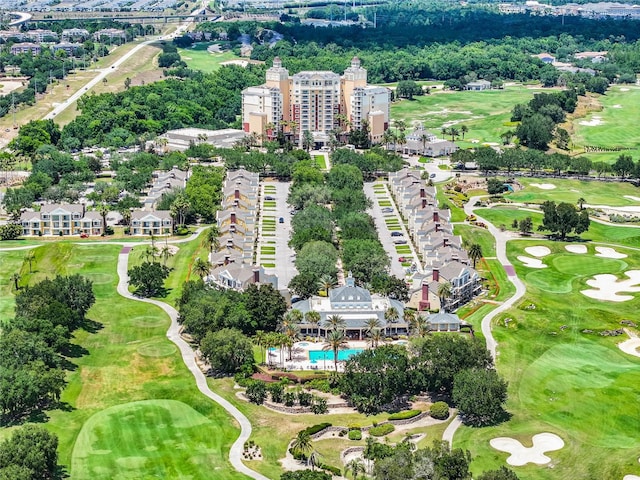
{"x": 236, "y": 194}
{"x": 436, "y": 275}
{"x": 445, "y": 241}
{"x": 436, "y": 216}
{"x": 226, "y": 259}
{"x": 424, "y": 301}
{"x": 256, "y": 275}
{"x": 422, "y": 193}
{"x": 233, "y": 218}
{"x": 424, "y": 202}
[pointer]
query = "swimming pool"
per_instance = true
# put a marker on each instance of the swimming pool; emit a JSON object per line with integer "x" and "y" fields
{"x": 320, "y": 355}
{"x": 303, "y": 344}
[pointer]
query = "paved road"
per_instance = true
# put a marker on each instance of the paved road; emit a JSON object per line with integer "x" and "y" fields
{"x": 501, "y": 239}
{"x": 235, "y": 454}
{"x": 432, "y": 168}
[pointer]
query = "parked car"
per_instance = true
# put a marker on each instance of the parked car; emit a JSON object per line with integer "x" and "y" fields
{"x": 397, "y": 234}
{"x": 292, "y": 212}
{"x": 269, "y": 197}
{"x": 84, "y": 235}
{"x": 281, "y": 220}
{"x": 402, "y": 259}
{"x": 387, "y": 210}
{"x": 400, "y": 241}
{"x": 433, "y": 175}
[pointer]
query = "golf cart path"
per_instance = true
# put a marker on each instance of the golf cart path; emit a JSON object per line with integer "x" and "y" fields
{"x": 188, "y": 356}
{"x": 501, "y": 239}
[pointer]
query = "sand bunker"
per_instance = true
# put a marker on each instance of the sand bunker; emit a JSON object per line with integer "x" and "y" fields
{"x": 607, "y": 286}
{"x": 606, "y": 252}
{"x": 631, "y": 346}
{"x": 624, "y": 89}
{"x": 531, "y": 262}
{"x": 521, "y": 455}
{"x": 543, "y": 186}
{"x": 631, "y": 197}
{"x": 576, "y": 248}
{"x": 631, "y": 477}
{"x": 538, "y": 251}
{"x": 594, "y": 122}
{"x": 616, "y": 106}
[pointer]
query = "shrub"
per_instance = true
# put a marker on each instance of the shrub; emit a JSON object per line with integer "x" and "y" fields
{"x": 404, "y": 415}
{"x": 289, "y": 399}
{"x": 277, "y": 392}
{"x": 439, "y": 411}
{"x": 304, "y": 399}
{"x": 257, "y": 392}
{"x": 381, "y": 430}
{"x": 319, "y": 384}
{"x": 313, "y": 429}
{"x": 355, "y": 435}
{"x": 319, "y": 406}
{"x": 330, "y": 468}
{"x": 354, "y": 427}
{"x": 242, "y": 380}
{"x": 10, "y": 231}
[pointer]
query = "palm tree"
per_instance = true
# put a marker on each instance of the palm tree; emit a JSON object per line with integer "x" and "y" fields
{"x": 325, "y": 283}
{"x": 335, "y": 322}
{"x": 375, "y": 337}
{"x": 475, "y": 253}
{"x": 30, "y": 258}
{"x": 15, "y": 278}
{"x": 314, "y": 460}
{"x": 165, "y": 253}
{"x": 454, "y": 132}
{"x": 581, "y": 202}
{"x": 313, "y": 318}
{"x": 424, "y": 138}
{"x": 421, "y": 326}
{"x": 103, "y": 210}
{"x": 356, "y": 466}
{"x": 444, "y": 292}
{"x": 296, "y": 316}
{"x": 302, "y": 443}
{"x": 464, "y": 129}
{"x": 444, "y": 131}
{"x": 409, "y": 316}
{"x": 391, "y": 315}
{"x": 336, "y": 340}
{"x": 387, "y": 138}
{"x": 211, "y": 239}
{"x": 150, "y": 253}
{"x": 201, "y": 268}
{"x": 372, "y": 324}
{"x": 261, "y": 340}
{"x": 291, "y": 331}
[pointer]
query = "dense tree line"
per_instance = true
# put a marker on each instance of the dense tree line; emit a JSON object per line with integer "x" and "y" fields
{"x": 29, "y": 453}
{"x": 375, "y": 378}
{"x": 35, "y": 342}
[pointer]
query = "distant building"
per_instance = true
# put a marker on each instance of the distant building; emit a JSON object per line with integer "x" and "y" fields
{"x": 595, "y": 57}
{"x": 74, "y": 34}
{"x": 110, "y": 33}
{"x": 545, "y": 57}
{"x": 182, "y": 138}
{"x": 61, "y": 219}
{"x": 157, "y": 222}
{"x": 40, "y": 35}
{"x": 32, "y": 48}
{"x": 70, "y": 48}
{"x": 478, "y": 85}
{"x": 238, "y": 276}
{"x": 314, "y": 100}
{"x": 422, "y": 142}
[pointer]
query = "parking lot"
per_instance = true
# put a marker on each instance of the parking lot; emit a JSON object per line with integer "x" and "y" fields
{"x": 273, "y": 251}
{"x": 391, "y": 231}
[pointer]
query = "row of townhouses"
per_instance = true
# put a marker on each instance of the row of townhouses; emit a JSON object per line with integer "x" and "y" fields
{"x": 31, "y": 41}
{"x": 237, "y": 225}
{"x": 73, "y": 219}
{"x": 163, "y": 182}
{"x": 432, "y": 233}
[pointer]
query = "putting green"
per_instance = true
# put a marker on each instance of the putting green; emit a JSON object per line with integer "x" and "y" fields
{"x": 158, "y": 348}
{"x": 148, "y": 321}
{"x": 549, "y": 281}
{"x": 99, "y": 278}
{"x": 577, "y": 388}
{"x": 586, "y": 265}
{"x": 146, "y": 439}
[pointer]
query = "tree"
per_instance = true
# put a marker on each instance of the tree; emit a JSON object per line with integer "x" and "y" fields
{"x": 15, "y": 278}
{"x": 227, "y": 350}
{"x": 318, "y": 258}
{"x": 10, "y": 231}
{"x": 525, "y": 226}
{"x": 503, "y": 473}
{"x": 201, "y": 267}
{"x": 495, "y": 186}
{"x": 623, "y": 166}
{"x": 480, "y": 395}
{"x": 305, "y": 475}
{"x": 463, "y": 129}
{"x": 264, "y": 305}
{"x": 335, "y": 322}
{"x": 103, "y": 210}
{"x": 301, "y": 445}
{"x": 356, "y": 467}
{"x": 581, "y": 201}
{"x": 211, "y": 239}
{"x": 563, "y": 219}
{"x": 335, "y": 341}
{"x": 444, "y": 292}
{"x": 149, "y": 278}
{"x": 313, "y": 318}
{"x": 536, "y": 131}
{"x": 475, "y": 253}
{"x": 307, "y": 140}
{"x": 31, "y": 448}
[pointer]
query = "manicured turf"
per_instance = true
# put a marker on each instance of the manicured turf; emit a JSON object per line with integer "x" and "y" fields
{"x": 199, "y": 58}
{"x": 595, "y": 193}
{"x": 484, "y": 113}
{"x": 129, "y": 359}
{"x": 471, "y": 234}
{"x": 11, "y": 263}
{"x": 320, "y": 160}
{"x": 577, "y": 385}
{"x": 619, "y": 127}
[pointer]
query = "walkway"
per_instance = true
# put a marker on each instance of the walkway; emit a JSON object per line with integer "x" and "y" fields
{"x": 188, "y": 356}
{"x": 501, "y": 239}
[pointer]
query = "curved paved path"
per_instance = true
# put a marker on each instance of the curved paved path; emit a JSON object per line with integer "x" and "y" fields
{"x": 501, "y": 239}
{"x": 188, "y": 356}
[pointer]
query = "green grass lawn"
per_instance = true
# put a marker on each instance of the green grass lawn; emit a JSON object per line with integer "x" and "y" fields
{"x": 595, "y": 193}
{"x": 199, "y": 58}
{"x": 320, "y": 161}
{"x": 484, "y": 113}
{"x": 561, "y": 380}
{"x": 104, "y": 432}
{"x": 12, "y": 262}
{"x": 618, "y": 128}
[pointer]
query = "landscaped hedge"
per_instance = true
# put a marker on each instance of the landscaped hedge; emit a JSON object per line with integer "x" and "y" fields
{"x": 355, "y": 435}
{"x": 439, "y": 411}
{"x": 330, "y": 468}
{"x": 381, "y": 430}
{"x": 313, "y": 429}
{"x": 405, "y": 415}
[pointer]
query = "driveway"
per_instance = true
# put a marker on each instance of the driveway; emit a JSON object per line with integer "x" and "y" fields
{"x": 284, "y": 256}
{"x": 431, "y": 167}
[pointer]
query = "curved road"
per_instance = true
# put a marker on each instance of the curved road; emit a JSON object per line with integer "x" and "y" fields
{"x": 235, "y": 454}
{"x": 501, "y": 253}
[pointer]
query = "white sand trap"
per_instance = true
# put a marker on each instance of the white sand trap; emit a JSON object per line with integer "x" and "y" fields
{"x": 594, "y": 122}
{"x": 616, "y": 106}
{"x": 631, "y": 197}
{"x": 624, "y": 89}
{"x": 521, "y": 455}
{"x": 631, "y": 346}
{"x": 606, "y": 252}
{"x": 543, "y": 186}
{"x": 607, "y": 286}
{"x": 631, "y": 477}
{"x": 531, "y": 262}
{"x": 576, "y": 248}
{"x": 538, "y": 251}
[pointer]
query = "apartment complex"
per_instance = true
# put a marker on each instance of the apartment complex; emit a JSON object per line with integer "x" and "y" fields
{"x": 61, "y": 219}
{"x": 158, "y": 222}
{"x": 314, "y": 101}
{"x": 432, "y": 233}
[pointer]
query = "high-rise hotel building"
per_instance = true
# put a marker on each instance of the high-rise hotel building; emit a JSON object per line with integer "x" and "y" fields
{"x": 312, "y": 101}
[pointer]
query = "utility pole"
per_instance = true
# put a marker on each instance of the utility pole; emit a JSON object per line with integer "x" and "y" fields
{"x": 13, "y": 108}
